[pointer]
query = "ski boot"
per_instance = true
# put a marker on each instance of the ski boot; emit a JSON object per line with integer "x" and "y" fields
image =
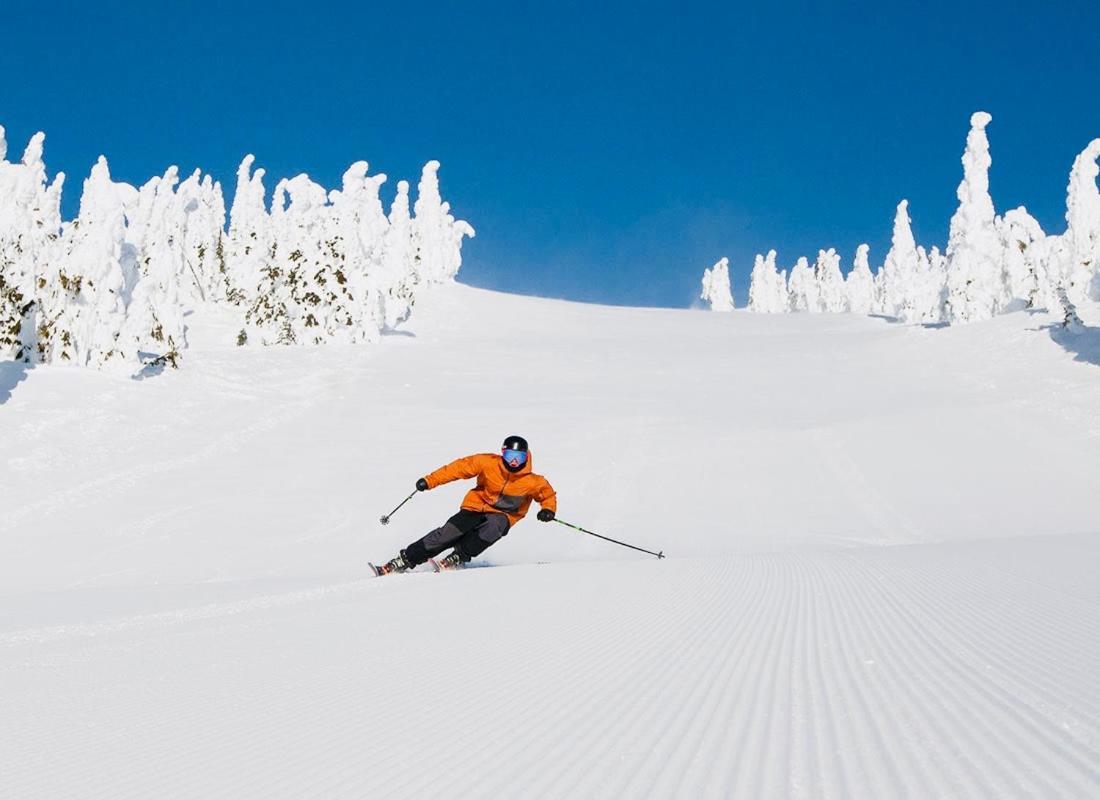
{"x": 398, "y": 564}
{"x": 453, "y": 561}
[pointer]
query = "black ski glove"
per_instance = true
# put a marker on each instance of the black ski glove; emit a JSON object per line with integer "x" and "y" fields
{"x": 422, "y": 485}
{"x": 545, "y": 515}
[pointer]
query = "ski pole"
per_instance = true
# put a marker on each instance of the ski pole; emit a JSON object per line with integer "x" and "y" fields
{"x": 608, "y": 538}
{"x": 385, "y": 518}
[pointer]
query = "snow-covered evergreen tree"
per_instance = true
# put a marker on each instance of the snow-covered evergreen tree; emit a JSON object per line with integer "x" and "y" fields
{"x": 155, "y": 263}
{"x": 1026, "y": 283}
{"x": 437, "y": 235}
{"x": 358, "y": 215}
{"x": 398, "y": 260}
{"x": 429, "y": 228}
{"x": 992, "y": 264}
{"x": 30, "y": 222}
{"x": 768, "y": 293}
{"x": 203, "y": 207}
{"x": 30, "y": 225}
{"x": 896, "y": 282}
{"x": 82, "y": 294}
{"x": 335, "y": 268}
{"x": 859, "y": 286}
{"x": 1071, "y": 322}
{"x": 974, "y": 274}
{"x": 1081, "y": 242}
{"x": 804, "y": 295}
{"x": 930, "y": 288}
{"x": 355, "y": 226}
{"x": 830, "y": 281}
{"x": 716, "y": 286}
{"x": 112, "y": 287}
{"x": 249, "y": 239}
{"x": 304, "y": 296}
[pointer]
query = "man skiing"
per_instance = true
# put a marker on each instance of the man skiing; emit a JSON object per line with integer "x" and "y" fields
{"x": 503, "y": 493}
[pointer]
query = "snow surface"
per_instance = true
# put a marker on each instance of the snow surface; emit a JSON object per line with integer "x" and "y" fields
{"x": 881, "y": 579}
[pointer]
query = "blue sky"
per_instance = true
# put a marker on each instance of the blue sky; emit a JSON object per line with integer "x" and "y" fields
{"x": 606, "y": 152}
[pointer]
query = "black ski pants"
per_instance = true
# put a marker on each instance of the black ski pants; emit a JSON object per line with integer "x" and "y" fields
{"x": 469, "y": 532}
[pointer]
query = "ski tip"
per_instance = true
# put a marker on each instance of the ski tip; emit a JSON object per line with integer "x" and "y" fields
{"x": 373, "y": 569}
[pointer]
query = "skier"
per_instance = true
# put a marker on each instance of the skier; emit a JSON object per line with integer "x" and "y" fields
{"x": 504, "y": 491}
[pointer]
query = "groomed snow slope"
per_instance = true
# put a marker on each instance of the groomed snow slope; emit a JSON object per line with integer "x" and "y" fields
{"x": 882, "y": 577}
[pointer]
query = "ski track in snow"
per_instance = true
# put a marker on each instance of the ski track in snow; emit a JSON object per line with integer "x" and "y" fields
{"x": 881, "y": 580}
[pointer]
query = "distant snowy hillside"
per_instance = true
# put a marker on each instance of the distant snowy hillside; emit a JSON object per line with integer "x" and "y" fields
{"x": 992, "y": 263}
{"x": 881, "y": 579}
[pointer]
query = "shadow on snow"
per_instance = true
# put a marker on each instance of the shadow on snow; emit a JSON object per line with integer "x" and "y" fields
{"x": 12, "y": 373}
{"x": 1084, "y": 343}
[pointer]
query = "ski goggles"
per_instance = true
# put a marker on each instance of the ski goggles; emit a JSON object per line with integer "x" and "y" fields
{"x": 515, "y": 458}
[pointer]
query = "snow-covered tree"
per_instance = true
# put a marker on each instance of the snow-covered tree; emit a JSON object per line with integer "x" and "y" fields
{"x": 381, "y": 287}
{"x": 803, "y": 287}
{"x": 156, "y": 267}
{"x": 896, "y": 282}
{"x": 830, "y": 281}
{"x": 1070, "y": 320}
{"x": 716, "y": 286}
{"x": 974, "y": 274}
{"x": 1081, "y": 242}
{"x": 112, "y": 287}
{"x": 859, "y": 286}
{"x": 991, "y": 264}
{"x": 334, "y": 267}
{"x": 30, "y": 224}
{"x": 83, "y": 294}
{"x": 929, "y": 292}
{"x": 437, "y": 235}
{"x": 429, "y": 228}
{"x": 304, "y": 296}
{"x": 203, "y": 207}
{"x": 1023, "y": 253}
{"x": 249, "y": 239}
{"x": 398, "y": 261}
{"x": 354, "y": 228}
{"x": 768, "y": 292}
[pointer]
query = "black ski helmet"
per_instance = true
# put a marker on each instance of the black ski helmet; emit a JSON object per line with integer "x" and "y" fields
{"x": 514, "y": 443}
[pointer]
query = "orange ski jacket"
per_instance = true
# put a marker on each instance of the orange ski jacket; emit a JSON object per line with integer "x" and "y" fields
{"x": 498, "y": 490}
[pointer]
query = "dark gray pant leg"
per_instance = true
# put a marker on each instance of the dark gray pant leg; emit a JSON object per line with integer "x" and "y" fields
{"x": 435, "y": 542}
{"x": 477, "y": 541}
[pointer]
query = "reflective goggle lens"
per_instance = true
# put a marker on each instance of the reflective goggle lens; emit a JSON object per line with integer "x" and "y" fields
{"x": 515, "y": 457}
